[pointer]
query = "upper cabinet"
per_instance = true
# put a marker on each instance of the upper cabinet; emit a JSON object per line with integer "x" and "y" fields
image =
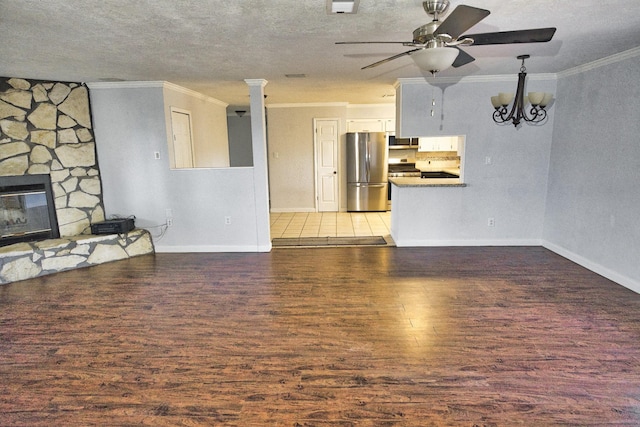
{"x": 438, "y": 143}
{"x": 371, "y": 125}
{"x": 366, "y": 125}
{"x": 390, "y": 125}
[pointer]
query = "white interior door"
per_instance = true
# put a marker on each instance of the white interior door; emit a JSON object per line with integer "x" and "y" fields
{"x": 327, "y": 164}
{"x": 182, "y": 139}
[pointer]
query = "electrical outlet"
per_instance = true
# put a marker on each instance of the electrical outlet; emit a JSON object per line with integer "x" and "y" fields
{"x": 491, "y": 222}
{"x": 169, "y": 222}
{"x": 227, "y": 220}
{"x": 156, "y": 155}
{"x": 487, "y": 160}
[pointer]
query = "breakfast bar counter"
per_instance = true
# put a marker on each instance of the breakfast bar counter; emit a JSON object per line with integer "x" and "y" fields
{"x": 424, "y": 211}
{"x": 426, "y": 182}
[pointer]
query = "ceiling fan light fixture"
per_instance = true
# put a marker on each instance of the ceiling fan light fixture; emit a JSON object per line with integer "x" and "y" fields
{"x": 435, "y": 59}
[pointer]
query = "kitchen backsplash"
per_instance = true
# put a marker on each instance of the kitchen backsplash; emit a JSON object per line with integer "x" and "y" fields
{"x": 427, "y": 160}
{"x": 437, "y": 160}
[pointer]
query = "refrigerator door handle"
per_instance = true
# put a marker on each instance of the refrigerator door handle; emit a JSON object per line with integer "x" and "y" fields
{"x": 369, "y": 185}
{"x": 368, "y": 163}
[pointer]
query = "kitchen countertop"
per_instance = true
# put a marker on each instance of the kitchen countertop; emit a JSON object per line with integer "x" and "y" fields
{"x": 426, "y": 182}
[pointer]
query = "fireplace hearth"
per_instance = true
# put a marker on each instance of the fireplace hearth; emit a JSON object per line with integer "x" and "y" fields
{"x": 27, "y": 209}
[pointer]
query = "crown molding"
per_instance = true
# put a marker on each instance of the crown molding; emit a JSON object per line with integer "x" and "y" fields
{"x": 618, "y": 57}
{"x": 158, "y": 85}
{"x": 125, "y": 85}
{"x": 193, "y": 93}
{"x": 311, "y": 104}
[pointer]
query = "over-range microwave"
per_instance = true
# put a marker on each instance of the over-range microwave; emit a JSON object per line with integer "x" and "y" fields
{"x": 402, "y": 142}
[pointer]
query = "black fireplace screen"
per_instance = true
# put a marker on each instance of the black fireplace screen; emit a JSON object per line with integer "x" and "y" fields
{"x": 27, "y": 209}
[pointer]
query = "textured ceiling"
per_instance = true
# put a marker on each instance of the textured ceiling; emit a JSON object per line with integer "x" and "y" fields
{"x": 212, "y": 45}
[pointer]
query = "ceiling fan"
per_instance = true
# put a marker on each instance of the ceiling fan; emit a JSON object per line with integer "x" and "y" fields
{"x": 437, "y": 44}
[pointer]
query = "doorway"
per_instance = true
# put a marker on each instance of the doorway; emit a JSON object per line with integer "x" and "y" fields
{"x": 182, "y": 138}
{"x": 326, "y": 162}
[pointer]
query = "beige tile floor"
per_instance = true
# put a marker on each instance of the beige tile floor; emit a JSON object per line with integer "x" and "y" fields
{"x": 330, "y": 224}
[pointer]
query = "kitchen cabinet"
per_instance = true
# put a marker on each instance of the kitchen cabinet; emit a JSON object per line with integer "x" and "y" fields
{"x": 438, "y": 143}
{"x": 370, "y": 125}
{"x": 390, "y": 125}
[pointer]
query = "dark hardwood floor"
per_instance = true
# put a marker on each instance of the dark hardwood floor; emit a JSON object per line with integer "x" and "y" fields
{"x": 367, "y": 336}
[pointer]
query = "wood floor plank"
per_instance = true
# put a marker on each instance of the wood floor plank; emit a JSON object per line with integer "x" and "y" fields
{"x": 378, "y": 336}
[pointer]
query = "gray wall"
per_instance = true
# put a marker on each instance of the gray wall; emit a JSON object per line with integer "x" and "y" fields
{"x": 130, "y": 126}
{"x": 593, "y": 201}
{"x": 240, "y": 152}
{"x": 512, "y": 189}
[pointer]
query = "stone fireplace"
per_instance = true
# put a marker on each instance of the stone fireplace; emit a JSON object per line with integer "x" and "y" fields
{"x": 46, "y": 130}
{"x": 27, "y": 209}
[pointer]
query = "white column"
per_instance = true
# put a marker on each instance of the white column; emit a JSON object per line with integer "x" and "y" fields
{"x": 260, "y": 169}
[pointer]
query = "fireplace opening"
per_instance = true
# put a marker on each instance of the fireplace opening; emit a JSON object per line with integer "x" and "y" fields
{"x": 27, "y": 209}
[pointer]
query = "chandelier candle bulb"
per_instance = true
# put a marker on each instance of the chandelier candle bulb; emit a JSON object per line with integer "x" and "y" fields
{"x": 535, "y": 98}
{"x": 546, "y": 100}
{"x": 505, "y": 98}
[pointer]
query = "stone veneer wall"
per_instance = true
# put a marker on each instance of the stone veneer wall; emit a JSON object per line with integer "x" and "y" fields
{"x": 32, "y": 259}
{"x": 45, "y": 128}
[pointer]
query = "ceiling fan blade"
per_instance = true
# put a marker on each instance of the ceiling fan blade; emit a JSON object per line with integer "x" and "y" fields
{"x": 463, "y": 58}
{"x": 403, "y": 43}
{"x": 538, "y": 35}
{"x": 391, "y": 58}
{"x": 461, "y": 19}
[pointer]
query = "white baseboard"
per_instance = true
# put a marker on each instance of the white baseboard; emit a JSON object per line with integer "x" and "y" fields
{"x": 623, "y": 280}
{"x": 208, "y": 248}
{"x": 285, "y": 210}
{"x": 497, "y": 242}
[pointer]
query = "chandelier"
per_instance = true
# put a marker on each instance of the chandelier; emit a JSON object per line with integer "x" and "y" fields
{"x": 518, "y": 111}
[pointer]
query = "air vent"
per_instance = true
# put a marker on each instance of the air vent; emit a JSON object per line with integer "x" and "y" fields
{"x": 342, "y": 6}
{"x": 295, "y": 76}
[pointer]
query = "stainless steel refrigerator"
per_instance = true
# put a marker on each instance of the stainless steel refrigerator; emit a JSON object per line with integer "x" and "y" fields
{"x": 367, "y": 165}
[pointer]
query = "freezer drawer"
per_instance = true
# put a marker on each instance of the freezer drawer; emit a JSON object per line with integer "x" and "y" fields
{"x": 366, "y": 197}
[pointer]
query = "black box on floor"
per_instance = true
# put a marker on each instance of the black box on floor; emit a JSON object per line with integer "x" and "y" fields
{"x": 113, "y": 226}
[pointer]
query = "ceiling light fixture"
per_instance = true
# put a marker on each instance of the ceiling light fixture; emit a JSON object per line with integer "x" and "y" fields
{"x": 518, "y": 112}
{"x": 342, "y": 6}
{"x": 435, "y": 59}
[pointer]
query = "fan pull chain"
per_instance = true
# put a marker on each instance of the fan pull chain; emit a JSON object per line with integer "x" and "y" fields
{"x": 433, "y": 102}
